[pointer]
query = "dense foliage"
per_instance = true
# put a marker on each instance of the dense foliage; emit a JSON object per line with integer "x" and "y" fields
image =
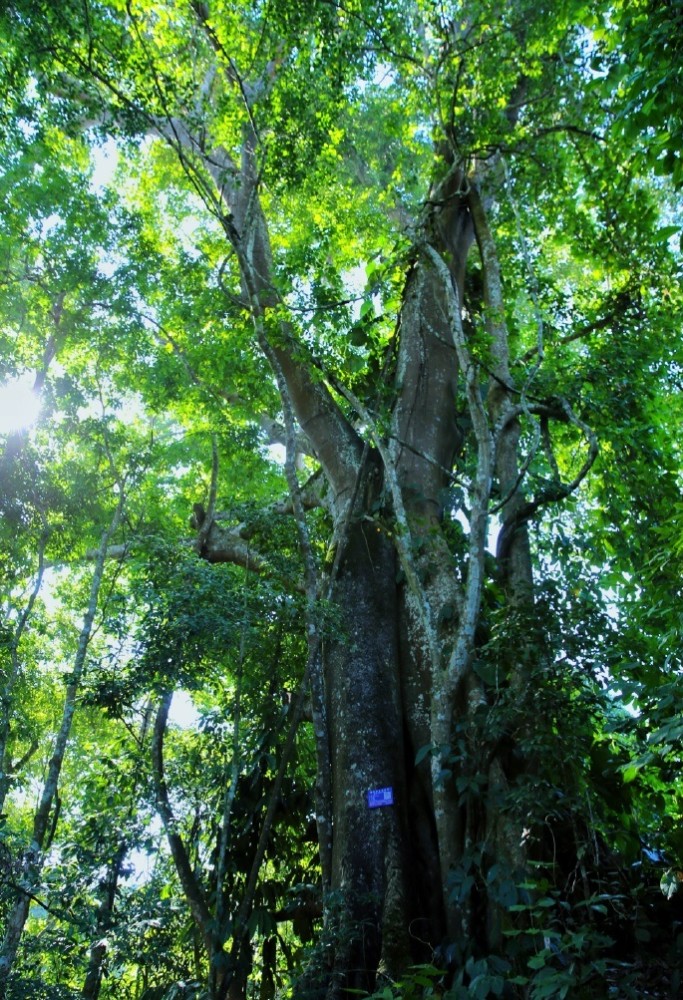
{"x": 356, "y": 331}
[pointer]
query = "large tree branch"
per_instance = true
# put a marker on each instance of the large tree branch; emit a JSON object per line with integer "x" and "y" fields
{"x": 227, "y": 545}
{"x": 251, "y": 91}
{"x": 230, "y": 192}
{"x": 204, "y": 524}
{"x": 271, "y": 426}
{"x": 220, "y": 545}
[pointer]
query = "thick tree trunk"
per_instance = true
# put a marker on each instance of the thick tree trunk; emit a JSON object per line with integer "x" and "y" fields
{"x": 398, "y": 673}
{"x": 371, "y": 853}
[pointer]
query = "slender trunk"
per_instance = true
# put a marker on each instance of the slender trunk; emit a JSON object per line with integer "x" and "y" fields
{"x": 191, "y": 887}
{"x": 108, "y": 889}
{"x": 219, "y": 933}
{"x": 505, "y": 831}
{"x": 6, "y": 767}
{"x": 44, "y": 818}
{"x": 234, "y": 982}
{"x": 105, "y": 914}
{"x": 216, "y": 971}
{"x": 229, "y": 971}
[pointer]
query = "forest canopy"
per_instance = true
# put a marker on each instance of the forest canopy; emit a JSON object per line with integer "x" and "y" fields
{"x": 341, "y": 488}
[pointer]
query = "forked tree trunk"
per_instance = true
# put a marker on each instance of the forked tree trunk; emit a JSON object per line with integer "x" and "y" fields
{"x": 399, "y": 669}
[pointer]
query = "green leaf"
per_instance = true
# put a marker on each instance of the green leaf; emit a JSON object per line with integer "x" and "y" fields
{"x": 670, "y": 882}
{"x": 425, "y": 751}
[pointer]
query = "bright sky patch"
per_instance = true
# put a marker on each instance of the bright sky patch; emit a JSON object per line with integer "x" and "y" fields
{"x": 19, "y": 406}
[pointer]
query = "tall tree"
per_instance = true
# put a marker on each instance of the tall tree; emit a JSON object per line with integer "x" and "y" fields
{"x": 462, "y": 160}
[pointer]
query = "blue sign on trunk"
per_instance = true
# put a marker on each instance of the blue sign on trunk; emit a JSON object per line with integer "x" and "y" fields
{"x": 380, "y": 797}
